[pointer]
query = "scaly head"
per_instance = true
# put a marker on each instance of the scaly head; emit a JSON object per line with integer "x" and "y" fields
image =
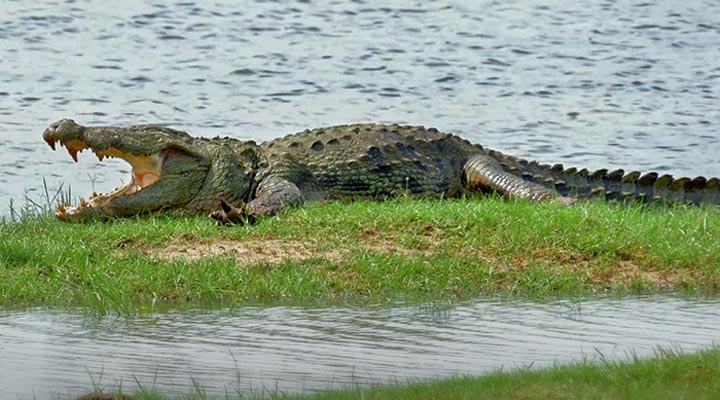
{"x": 167, "y": 171}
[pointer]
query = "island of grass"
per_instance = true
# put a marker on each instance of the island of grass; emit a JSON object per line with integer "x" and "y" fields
{"x": 417, "y": 249}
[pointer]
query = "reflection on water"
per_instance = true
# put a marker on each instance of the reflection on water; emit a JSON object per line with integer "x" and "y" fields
{"x": 587, "y": 83}
{"x": 298, "y": 349}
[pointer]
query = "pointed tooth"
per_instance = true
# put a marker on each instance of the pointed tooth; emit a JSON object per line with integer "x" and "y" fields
{"x": 51, "y": 143}
{"x": 100, "y": 156}
{"x": 73, "y": 153}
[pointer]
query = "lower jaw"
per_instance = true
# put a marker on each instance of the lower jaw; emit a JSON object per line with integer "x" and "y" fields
{"x": 98, "y": 201}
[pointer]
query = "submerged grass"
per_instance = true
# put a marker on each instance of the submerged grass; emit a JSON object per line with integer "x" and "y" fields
{"x": 398, "y": 248}
{"x": 669, "y": 375}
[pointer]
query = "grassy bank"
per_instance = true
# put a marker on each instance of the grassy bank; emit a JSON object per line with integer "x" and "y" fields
{"x": 400, "y": 248}
{"x": 667, "y": 376}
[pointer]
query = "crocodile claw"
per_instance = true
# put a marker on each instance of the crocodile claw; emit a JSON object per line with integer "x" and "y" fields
{"x": 230, "y": 214}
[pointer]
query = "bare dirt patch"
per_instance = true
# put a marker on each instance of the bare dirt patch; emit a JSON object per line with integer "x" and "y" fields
{"x": 273, "y": 251}
{"x": 666, "y": 278}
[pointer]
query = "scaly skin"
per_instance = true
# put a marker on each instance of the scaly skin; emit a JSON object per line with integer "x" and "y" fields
{"x": 173, "y": 171}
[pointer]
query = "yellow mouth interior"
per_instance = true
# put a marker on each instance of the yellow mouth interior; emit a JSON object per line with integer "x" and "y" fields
{"x": 145, "y": 172}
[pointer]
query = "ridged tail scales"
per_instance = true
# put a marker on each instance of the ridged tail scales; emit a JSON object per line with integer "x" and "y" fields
{"x": 648, "y": 188}
{"x": 520, "y": 178}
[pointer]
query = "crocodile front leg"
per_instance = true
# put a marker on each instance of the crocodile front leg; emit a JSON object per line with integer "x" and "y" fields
{"x": 483, "y": 172}
{"x": 273, "y": 194}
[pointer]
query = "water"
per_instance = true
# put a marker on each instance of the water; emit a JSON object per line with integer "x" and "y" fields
{"x": 588, "y": 83}
{"x": 300, "y": 349}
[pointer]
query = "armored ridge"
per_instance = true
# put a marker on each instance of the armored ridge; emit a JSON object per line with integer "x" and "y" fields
{"x": 173, "y": 171}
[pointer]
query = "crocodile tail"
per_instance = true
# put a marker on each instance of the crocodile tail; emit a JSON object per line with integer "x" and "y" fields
{"x": 618, "y": 185}
{"x": 648, "y": 187}
{"x": 613, "y": 185}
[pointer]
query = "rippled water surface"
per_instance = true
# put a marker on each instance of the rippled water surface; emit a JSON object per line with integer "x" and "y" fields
{"x": 589, "y": 83}
{"x": 299, "y": 349}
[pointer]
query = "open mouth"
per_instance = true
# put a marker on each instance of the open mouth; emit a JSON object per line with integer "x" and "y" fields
{"x": 145, "y": 172}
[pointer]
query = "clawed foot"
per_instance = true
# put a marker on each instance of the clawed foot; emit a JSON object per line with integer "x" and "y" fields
{"x": 229, "y": 214}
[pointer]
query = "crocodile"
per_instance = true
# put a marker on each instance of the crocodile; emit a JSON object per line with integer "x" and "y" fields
{"x": 237, "y": 181}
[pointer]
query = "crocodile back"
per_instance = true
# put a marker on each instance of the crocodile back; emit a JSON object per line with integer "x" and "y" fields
{"x": 368, "y": 160}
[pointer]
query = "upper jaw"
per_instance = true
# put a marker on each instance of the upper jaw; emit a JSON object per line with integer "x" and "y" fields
{"x": 68, "y": 134}
{"x": 136, "y": 139}
{"x": 77, "y": 138}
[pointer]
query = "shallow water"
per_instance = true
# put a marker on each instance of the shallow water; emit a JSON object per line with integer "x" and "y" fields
{"x": 588, "y": 83}
{"x": 301, "y": 349}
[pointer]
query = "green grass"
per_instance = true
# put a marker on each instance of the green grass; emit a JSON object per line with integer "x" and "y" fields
{"x": 420, "y": 249}
{"x": 669, "y": 375}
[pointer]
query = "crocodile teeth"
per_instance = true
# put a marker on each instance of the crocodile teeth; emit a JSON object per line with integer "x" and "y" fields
{"x": 100, "y": 156}
{"x": 73, "y": 153}
{"x": 51, "y": 143}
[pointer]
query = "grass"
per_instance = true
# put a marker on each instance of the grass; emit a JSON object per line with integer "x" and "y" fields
{"x": 669, "y": 375}
{"x": 422, "y": 249}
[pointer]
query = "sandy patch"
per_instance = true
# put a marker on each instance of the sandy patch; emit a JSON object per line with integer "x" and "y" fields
{"x": 273, "y": 251}
{"x": 667, "y": 278}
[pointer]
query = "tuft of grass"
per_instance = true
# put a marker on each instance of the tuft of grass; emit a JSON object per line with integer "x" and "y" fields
{"x": 41, "y": 206}
{"x": 409, "y": 248}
